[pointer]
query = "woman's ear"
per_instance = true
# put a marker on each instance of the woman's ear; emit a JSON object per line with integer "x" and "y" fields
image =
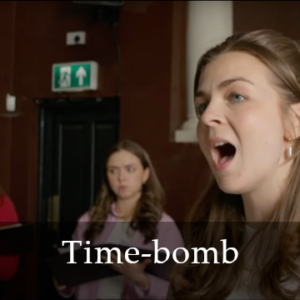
{"x": 146, "y": 175}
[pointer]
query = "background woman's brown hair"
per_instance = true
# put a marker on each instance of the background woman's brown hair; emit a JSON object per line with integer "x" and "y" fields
{"x": 150, "y": 206}
{"x": 219, "y": 215}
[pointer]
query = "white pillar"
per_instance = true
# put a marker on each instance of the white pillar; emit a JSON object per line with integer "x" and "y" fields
{"x": 208, "y": 23}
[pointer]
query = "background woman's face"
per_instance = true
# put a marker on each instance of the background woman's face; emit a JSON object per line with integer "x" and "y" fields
{"x": 241, "y": 129}
{"x": 126, "y": 174}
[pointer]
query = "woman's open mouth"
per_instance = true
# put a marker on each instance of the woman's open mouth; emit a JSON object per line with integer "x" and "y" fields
{"x": 222, "y": 152}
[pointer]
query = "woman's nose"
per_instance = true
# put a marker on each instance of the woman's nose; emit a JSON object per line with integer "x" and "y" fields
{"x": 214, "y": 114}
{"x": 122, "y": 175}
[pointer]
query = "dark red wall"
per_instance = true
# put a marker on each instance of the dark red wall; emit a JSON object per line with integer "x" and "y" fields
{"x": 147, "y": 94}
{"x": 6, "y": 55}
{"x": 282, "y": 16}
{"x": 151, "y": 85}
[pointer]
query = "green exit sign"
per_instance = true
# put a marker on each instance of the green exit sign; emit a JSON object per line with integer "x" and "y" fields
{"x": 75, "y": 76}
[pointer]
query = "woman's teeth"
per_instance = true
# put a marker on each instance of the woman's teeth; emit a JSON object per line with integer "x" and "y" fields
{"x": 218, "y": 144}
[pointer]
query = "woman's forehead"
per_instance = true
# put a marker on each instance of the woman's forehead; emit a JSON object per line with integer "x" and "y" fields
{"x": 234, "y": 65}
{"x": 123, "y": 157}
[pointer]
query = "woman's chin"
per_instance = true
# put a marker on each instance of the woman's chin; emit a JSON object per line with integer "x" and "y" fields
{"x": 123, "y": 196}
{"x": 126, "y": 195}
{"x": 230, "y": 187}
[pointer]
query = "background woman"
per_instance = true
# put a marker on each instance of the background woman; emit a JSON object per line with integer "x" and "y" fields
{"x": 129, "y": 211}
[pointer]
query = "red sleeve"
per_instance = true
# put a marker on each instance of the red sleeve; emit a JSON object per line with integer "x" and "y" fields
{"x": 8, "y": 216}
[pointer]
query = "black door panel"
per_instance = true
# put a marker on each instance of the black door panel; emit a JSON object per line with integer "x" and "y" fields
{"x": 75, "y": 136}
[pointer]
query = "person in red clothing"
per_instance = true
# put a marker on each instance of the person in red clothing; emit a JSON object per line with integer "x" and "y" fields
{"x": 8, "y": 264}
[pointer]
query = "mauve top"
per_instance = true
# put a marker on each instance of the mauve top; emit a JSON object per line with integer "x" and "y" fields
{"x": 169, "y": 237}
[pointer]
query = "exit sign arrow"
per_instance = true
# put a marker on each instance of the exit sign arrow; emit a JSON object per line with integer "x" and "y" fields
{"x": 80, "y": 74}
{"x": 75, "y": 76}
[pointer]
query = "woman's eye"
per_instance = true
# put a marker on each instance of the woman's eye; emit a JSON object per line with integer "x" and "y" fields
{"x": 200, "y": 109}
{"x": 130, "y": 170}
{"x": 111, "y": 171}
{"x": 237, "y": 97}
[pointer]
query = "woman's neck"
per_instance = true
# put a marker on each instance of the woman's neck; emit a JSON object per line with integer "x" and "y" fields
{"x": 261, "y": 203}
{"x": 258, "y": 209}
{"x": 125, "y": 208}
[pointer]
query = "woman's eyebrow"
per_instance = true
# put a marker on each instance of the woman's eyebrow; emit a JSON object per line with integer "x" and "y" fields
{"x": 230, "y": 81}
{"x": 223, "y": 84}
{"x": 128, "y": 165}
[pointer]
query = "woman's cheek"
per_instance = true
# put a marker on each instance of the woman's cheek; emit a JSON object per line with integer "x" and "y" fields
{"x": 248, "y": 120}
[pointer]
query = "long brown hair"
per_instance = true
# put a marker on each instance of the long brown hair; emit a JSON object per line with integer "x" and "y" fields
{"x": 149, "y": 208}
{"x": 223, "y": 214}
